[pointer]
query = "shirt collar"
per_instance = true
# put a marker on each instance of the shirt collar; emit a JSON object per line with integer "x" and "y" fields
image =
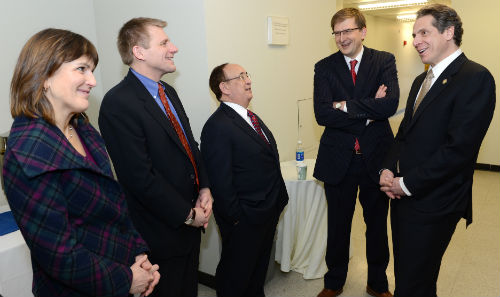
{"x": 441, "y": 66}
{"x": 238, "y": 108}
{"x": 149, "y": 84}
{"x": 358, "y": 57}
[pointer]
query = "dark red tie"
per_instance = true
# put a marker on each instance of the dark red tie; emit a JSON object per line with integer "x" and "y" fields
{"x": 353, "y": 70}
{"x": 256, "y": 125}
{"x": 353, "y": 74}
{"x": 178, "y": 130}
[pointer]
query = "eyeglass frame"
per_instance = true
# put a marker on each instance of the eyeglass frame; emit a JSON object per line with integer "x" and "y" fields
{"x": 242, "y": 76}
{"x": 346, "y": 32}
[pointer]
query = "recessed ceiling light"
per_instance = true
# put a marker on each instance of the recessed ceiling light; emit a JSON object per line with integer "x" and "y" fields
{"x": 391, "y": 4}
{"x": 406, "y": 17}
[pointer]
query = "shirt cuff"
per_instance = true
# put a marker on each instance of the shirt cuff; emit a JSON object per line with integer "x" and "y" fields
{"x": 403, "y": 187}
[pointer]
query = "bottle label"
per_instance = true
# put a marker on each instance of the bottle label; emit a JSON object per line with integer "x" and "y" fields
{"x": 299, "y": 156}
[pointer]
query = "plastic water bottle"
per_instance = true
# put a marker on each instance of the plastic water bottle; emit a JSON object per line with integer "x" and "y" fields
{"x": 299, "y": 158}
{"x": 299, "y": 153}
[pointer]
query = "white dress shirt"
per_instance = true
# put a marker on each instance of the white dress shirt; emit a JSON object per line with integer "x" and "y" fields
{"x": 243, "y": 112}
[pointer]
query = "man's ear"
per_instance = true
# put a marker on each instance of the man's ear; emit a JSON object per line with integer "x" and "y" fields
{"x": 363, "y": 33}
{"x": 137, "y": 51}
{"x": 449, "y": 32}
{"x": 223, "y": 88}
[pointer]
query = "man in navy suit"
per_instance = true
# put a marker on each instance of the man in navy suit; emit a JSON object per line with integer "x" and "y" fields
{"x": 243, "y": 166}
{"x": 430, "y": 167}
{"x": 156, "y": 158}
{"x": 355, "y": 91}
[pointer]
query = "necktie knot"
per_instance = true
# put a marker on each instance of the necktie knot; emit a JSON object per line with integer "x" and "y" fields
{"x": 426, "y": 85}
{"x": 430, "y": 75}
{"x": 353, "y": 63}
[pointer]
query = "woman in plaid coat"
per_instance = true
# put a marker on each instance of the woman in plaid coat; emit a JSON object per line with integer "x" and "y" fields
{"x": 58, "y": 178}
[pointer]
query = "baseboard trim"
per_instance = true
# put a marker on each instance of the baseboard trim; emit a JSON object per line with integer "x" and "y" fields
{"x": 206, "y": 279}
{"x": 488, "y": 167}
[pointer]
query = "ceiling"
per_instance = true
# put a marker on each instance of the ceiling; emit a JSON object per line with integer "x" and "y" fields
{"x": 389, "y": 13}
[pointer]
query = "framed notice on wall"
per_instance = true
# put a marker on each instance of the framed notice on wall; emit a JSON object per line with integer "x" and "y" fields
{"x": 277, "y": 30}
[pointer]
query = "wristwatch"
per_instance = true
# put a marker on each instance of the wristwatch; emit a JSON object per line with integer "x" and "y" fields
{"x": 338, "y": 105}
{"x": 190, "y": 220}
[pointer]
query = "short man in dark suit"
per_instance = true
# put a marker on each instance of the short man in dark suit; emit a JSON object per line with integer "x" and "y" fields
{"x": 156, "y": 158}
{"x": 431, "y": 164}
{"x": 243, "y": 166}
{"x": 355, "y": 91}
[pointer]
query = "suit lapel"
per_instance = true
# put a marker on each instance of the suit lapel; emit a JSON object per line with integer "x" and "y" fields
{"x": 441, "y": 83}
{"x": 156, "y": 112}
{"x": 342, "y": 71}
{"x": 270, "y": 137}
{"x": 243, "y": 125}
{"x": 363, "y": 72}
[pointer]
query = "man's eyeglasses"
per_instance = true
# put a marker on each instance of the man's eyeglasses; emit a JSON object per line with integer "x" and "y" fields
{"x": 243, "y": 76}
{"x": 345, "y": 32}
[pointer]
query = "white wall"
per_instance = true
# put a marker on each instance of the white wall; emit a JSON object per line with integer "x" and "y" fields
{"x": 186, "y": 29}
{"x": 281, "y": 75}
{"x": 481, "y": 44}
{"x": 19, "y": 20}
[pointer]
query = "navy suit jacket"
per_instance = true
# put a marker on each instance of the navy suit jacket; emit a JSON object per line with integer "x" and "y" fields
{"x": 333, "y": 82}
{"x": 244, "y": 170}
{"x": 152, "y": 165}
{"x": 437, "y": 147}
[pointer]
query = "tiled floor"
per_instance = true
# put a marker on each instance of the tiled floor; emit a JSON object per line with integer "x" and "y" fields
{"x": 471, "y": 265}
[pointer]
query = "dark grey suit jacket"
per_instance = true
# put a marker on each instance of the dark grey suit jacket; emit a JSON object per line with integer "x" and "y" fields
{"x": 243, "y": 169}
{"x": 152, "y": 165}
{"x": 333, "y": 82}
{"x": 437, "y": 147}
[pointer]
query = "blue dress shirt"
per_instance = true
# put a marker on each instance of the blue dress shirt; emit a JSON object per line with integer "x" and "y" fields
{"x": 152, "y": 87}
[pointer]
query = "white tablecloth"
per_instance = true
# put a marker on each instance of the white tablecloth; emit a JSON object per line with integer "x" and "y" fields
{"x": 16, "y": 273}
{"x": 302, "y": 228}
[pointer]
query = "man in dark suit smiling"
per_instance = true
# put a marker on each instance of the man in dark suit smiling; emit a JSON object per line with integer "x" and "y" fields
{"x": 355, "y": 91}
{"x": 156, "y": 158}
{"x": 243, "y": 166}
{"x": 431, "y": 164}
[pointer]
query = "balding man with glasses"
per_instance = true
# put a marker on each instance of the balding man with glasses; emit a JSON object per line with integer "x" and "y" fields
{"x": 243, "y": 167}
{"x": 355, "y": 91}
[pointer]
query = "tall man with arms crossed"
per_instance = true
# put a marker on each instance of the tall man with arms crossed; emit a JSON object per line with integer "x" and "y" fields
{"x": 243, "y": 165}
{"x": 355, "y": 91}
{"x": 430, "y": 167}
{"x": 156, "y": 158}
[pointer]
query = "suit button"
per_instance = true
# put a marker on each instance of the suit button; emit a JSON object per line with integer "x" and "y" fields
{"x": 191, "y": 176}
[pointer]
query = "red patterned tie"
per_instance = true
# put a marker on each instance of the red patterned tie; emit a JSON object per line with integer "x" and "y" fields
{"x": 256, "y": 125}
{"x": 353, "y": 74}
{"x": 178, "y": 130}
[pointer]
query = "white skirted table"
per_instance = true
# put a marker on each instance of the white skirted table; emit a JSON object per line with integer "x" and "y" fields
{"x": 16, "y": 273}
{"x": 302, "y": 228}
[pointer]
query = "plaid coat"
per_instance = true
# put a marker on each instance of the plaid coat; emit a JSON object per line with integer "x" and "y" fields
{"x": 71, "y": 212}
